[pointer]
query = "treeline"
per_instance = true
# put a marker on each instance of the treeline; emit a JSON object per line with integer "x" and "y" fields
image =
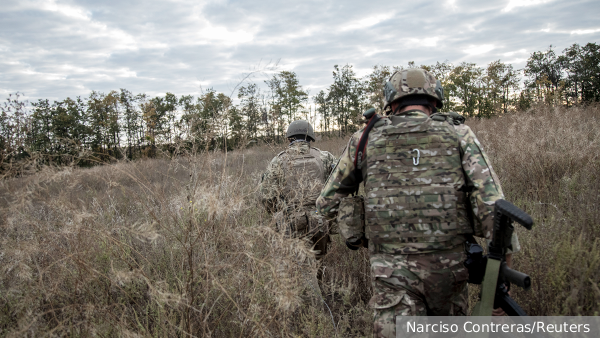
{"x": 121, "y": 124}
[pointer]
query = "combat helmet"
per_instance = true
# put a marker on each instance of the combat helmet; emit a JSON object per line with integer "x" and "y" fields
{"x": 413, "y": 82}
{"x": 301, "y": 128}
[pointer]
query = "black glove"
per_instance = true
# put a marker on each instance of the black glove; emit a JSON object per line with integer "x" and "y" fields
{"x": 357, "y": 243}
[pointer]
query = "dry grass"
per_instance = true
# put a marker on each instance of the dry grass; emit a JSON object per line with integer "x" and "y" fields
{"x": 183, "y": 248}
{"x": 548, "y": 161}
{"x": 164, "y": 248}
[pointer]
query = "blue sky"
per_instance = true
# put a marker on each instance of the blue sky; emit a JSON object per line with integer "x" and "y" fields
{"x": 55, "y": 49}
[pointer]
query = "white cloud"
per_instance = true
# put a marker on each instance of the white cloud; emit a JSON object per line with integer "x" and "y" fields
{"x": 78, "y": 21}
{"x": 66, "y": 10}
{"x": 585, "y": 31}
{"x": 58, "y": 48}
{"x": 451, "y": 4}
{"x": 221, "y": 35}
{"x": 512, "y": 4}
{"x": 512, "y": 53}
{"x": 428, "y": 41}
{"x": 367, "y": 22}
{"x": 479, "y": 49}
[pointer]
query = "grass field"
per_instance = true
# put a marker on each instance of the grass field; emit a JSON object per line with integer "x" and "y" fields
{"x": 182, "y": 247}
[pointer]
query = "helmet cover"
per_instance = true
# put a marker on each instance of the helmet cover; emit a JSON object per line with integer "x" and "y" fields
{"x": 413, "y": 81}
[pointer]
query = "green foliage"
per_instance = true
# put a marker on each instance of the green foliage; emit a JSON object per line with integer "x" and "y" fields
{"x": 374, "y": 84}
{"x": 582, "y": 64}
{"x": 345, "y": 100}
{"x": 250, "y": 107}
{"x": 567, "y": 79}
{"x": 104, "y": 127}
{"x": 286, "y": 100}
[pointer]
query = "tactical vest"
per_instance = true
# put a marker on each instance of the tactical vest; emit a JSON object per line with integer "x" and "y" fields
{"x": 413, "y": 185}
{"x": 304, "y": 176}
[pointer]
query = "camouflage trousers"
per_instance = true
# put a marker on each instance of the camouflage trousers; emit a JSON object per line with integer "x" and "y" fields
{"x": 313, "y": 230}
{"x": 433, "y": 284}
{"x": 305, "y": 224}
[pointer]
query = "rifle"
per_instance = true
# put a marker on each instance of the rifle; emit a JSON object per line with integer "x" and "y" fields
{"x": 498, "y": 276}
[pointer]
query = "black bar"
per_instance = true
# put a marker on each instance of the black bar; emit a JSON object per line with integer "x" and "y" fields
{"x": 514, "y": 277}
{"x": 516, "y": 214}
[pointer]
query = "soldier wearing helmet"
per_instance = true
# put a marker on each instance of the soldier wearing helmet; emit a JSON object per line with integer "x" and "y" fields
{"x": 290, "y": 187}
{"x": 429, "y": 187}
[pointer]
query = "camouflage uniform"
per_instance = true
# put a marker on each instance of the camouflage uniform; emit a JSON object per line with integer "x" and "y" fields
{"x": 290, "y": 187}
{"x": 417, "y": 217}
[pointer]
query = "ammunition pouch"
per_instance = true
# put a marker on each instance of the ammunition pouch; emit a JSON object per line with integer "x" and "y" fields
{"x": 292, "y": 224}
{"x": 351, "y": 217}
{"x": 476, "y": 262}
{"x": 320, "y": 241}
{"x": 300, "y": 223}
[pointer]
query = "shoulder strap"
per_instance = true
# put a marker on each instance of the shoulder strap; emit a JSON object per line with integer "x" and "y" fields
{"x": 360, "y": 149}
{"x": 452, "y": 117}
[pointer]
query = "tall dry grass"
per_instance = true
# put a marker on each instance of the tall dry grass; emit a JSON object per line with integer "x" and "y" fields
{"x": 182, "y": 247}
{"x": 165, "y": 248}
{"x": 548, "y": 160}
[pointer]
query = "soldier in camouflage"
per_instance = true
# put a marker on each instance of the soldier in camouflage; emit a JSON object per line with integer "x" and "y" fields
{"x": 290, "y": 187}
{"x": 429, "y": 186}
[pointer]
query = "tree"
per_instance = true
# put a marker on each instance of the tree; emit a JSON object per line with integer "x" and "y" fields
{"x": 103, "y": 114}
{"x": 324, "y": 109}
{"x": 164, "y": 110}
{"x": 291, "y": 94}
{"x": 236, "y": 133}
{"x": 286, "y": 98}
{"x": 545, "y": 73}
{"x": 502, "y": 81}
{"x": 464, "y": 87}
{"x": 374, "y": 85}
{"x": 442, "y": 72}
{"x": 132, "y": 121}
{"x": 250, "y": 108}
{"x": 69, "y": 129}
{"x": 582, "y": 65}
{"x": 346, "y": 97}
{"x": 213, "y": 109}
{"x": 13, "y": 129}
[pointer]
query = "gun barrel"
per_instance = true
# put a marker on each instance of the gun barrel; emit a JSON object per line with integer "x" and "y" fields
{"x": 515, "y": 277}
{"x": 516, "y": 214}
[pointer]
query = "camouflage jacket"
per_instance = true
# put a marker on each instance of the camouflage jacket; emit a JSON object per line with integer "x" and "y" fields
{"x": 273, "y": 181}
{"x": 477, "y": 168}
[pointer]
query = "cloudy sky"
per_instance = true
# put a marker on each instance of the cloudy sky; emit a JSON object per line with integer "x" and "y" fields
{"x": 56, "y": 49}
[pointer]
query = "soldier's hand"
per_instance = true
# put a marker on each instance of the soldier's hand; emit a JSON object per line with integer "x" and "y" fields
{"x": 354, "y": 244}
{"x": 499, "y": 311}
